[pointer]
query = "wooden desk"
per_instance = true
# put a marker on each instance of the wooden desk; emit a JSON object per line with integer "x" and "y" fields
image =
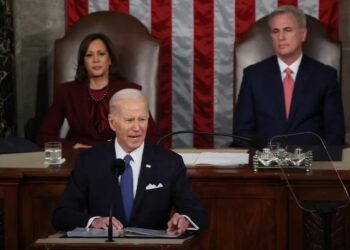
{"x": 9, "y": 182}
{"x": 247, "y": 210}
{"x": 54, "y": 242}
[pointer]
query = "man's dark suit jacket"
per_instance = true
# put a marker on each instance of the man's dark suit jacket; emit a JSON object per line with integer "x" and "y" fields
{"x": 93, "y": 187}
{"x": 316, "y": 103}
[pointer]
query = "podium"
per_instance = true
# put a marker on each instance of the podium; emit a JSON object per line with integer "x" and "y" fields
{"x": 259, "y": 203}
{"x": 59, "y": 242}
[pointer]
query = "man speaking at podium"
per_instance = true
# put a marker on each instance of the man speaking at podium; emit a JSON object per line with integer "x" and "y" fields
{"x": 153, "y": 183}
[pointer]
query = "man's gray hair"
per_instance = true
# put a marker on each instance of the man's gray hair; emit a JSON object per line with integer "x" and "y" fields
{"x": 124, "y": 94}
{"x": 297, "y": 13}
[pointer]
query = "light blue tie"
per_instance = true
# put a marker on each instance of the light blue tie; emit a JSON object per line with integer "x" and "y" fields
{"x": 127, "y": 186}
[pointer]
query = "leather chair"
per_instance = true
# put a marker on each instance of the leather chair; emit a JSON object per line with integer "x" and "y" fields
{"x": 138, "y": 51}
{"x": 256, "y": 46}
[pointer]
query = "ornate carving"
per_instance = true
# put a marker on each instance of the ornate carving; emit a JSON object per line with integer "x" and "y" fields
{"x": 7, "y": 83}
{"x": 314, "y": 231}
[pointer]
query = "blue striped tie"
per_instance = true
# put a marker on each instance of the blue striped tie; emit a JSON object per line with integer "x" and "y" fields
{"x": 126, "y": 186}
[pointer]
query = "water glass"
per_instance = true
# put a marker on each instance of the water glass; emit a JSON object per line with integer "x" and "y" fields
{"x": 53, "y": 152}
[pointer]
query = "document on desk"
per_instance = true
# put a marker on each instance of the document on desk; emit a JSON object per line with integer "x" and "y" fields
{"x": 127, "y": 232}
{"x": 215, "y": 158}
{"x": 144, "y": 232}
{"x": 23, "y": 160}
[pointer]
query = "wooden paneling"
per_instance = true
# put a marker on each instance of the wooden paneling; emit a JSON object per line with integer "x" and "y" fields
{"x": 38, "y": 201}
{"x": 246, "y": 210}
{"x": 9, "y": 181}
{"x": 57, "y": 243}
{"x": 244, "y": 213}
{"x": 306, "y": 229}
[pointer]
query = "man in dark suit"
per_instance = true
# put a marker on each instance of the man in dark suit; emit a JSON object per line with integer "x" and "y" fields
{"x": 158, "y": 181}
{"x": 289, "y": 92}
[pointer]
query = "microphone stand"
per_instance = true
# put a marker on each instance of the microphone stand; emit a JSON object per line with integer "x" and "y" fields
{"x": 118, "y": 166}
{"x": 323, "y": 208}
{"x": 239, "y": 138}
{"x": 110, "y": 227}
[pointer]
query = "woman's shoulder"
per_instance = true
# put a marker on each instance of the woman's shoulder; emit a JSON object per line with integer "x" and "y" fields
{"x": 117, "y": 84}
{"x": 66, "y": 90}
{"x": 69, "y": 86}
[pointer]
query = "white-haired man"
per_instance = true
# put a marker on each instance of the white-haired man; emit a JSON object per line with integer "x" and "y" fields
{"x": 157, "y": 184}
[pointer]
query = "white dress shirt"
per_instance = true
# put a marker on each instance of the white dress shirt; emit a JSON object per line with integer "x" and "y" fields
{"x": 135, "y": 163}
{"x": 294, "y": 67}
{"x": 136, "y": 168}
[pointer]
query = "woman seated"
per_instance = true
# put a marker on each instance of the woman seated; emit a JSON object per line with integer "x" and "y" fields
{"x": 84, "y": 101}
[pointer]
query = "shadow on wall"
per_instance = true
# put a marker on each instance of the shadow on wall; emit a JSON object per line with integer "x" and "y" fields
{"x": 32, "y": 126}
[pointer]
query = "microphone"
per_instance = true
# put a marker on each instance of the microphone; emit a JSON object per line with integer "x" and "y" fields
{"x": 118, "y": 167}
{"x": 243, "y": 139}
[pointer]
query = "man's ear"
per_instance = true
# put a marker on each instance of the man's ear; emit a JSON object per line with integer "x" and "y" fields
{"x": 304, "y": 30}
{"x": 112, "y": 122}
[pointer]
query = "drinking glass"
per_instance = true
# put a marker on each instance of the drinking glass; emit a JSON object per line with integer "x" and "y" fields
{"x": 53, "y": 152}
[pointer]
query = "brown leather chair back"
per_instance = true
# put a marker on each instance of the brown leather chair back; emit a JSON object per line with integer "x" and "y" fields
{"x": 138, "y": 51}
{"x": 256, "y": 46}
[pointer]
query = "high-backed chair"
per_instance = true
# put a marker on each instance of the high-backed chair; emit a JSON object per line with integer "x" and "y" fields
{"x": 256, "y": 46}
{"x": 138, "y": 51}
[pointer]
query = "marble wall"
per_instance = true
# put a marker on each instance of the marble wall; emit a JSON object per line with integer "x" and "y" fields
{"x": 39, "y": 22}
